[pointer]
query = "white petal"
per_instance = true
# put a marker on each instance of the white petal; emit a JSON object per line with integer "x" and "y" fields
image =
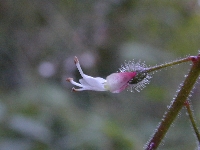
{"x": 87, "y": 82}
{"x": 73, "y": 82}
{"x": 95, "y": 82}
{"x": 101, "y": 80}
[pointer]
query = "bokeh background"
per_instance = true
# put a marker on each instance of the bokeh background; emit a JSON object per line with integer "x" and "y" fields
{"x": 38, "y": 42}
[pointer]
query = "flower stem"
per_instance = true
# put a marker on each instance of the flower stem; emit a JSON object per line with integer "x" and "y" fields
{"x": 191, "y": 116}
{"x": 177, "y": 104}
{"x": 151, "y": 69}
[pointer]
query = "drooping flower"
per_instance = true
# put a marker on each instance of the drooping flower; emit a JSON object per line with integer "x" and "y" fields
{"x": 131, "y": 76}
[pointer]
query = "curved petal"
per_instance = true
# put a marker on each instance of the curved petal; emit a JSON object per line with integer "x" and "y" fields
{"x": 96, "y": 83}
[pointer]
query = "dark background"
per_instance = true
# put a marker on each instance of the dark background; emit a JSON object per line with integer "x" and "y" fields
{"x": 38, "y": 42}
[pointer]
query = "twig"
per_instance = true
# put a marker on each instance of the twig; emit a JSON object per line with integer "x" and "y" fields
{"x": 176, "y": 104}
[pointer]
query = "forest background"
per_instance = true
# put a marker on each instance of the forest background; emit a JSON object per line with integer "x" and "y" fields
{"x": 38, "y": 42}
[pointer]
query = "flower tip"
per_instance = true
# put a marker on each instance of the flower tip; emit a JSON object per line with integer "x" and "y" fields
{"x": 74, "y": 90}
{"x": 76, "y": 60}
{"x": 69, "y": 79}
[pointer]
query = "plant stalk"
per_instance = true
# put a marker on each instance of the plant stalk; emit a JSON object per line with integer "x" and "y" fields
{"x": 158, "y": 67}
{"x": 176, "y": 105}
{"x": 191, "y": 116}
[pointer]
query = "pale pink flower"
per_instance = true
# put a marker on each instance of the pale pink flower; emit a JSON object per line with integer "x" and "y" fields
{"x": 115, "y": 83}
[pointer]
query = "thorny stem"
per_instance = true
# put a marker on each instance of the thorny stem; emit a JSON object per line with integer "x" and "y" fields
{"x": 151, "y": 69}
{"x": 177, "y": 104}
{"x": 191, "y": 116}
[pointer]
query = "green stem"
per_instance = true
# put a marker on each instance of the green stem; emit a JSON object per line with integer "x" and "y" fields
{"x": 151, "y": 69}
{"x": 191, "y": 116}
{"x": 176, "y": 105}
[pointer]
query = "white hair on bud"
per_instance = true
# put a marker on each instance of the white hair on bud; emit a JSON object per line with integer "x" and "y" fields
{"x": 132, "y": 66}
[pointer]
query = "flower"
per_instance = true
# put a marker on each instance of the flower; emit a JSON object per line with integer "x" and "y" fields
{"x": 131, "y": 76}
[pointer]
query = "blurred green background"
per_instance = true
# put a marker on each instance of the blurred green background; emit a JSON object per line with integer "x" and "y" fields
{"x": 38, "y": 42}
